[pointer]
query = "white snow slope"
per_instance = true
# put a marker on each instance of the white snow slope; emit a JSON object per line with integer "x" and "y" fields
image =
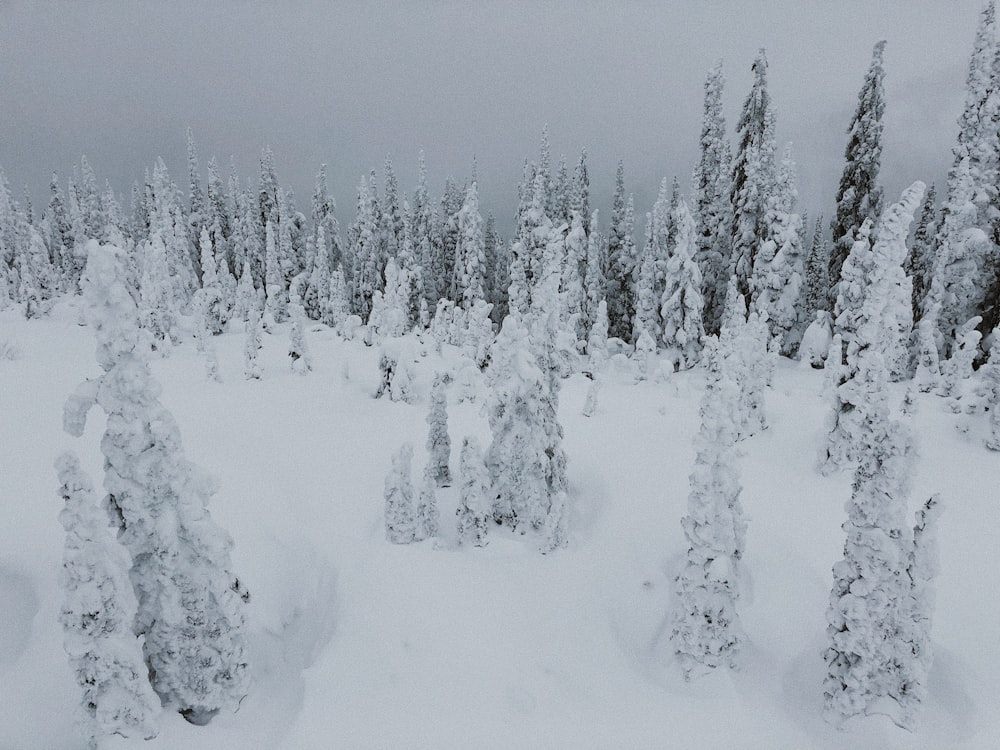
{"x": 360, "y": 644}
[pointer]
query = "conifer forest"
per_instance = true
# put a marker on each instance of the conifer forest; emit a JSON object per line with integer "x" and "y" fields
{"x": 694, "y": 469}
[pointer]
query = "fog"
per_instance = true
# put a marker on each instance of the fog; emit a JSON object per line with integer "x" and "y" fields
{"x": 349, "y": 84}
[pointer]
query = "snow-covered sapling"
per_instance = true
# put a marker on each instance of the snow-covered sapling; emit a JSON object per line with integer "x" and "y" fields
{"x": 428, "y": 523}
{"x": 399, "y": 520}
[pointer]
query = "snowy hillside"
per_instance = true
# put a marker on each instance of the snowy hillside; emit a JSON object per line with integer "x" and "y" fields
{"x": 359, "y": 643}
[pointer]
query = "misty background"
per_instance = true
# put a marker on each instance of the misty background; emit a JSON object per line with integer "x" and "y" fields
{"x": 350, "y": 83}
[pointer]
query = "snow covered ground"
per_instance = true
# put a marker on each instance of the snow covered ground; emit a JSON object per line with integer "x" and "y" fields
{"x": 362, "y": 644}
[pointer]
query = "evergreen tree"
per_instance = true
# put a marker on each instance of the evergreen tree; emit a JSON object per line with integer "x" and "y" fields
{"x": 991, "y": 386}
{"x": 470, "y": 268}
{"x": 400, "y": 524}
{"x": 595, "y": 279}
{"x": 367, "y": 274}
{"x": 190, "y": 607}
{"x": 97, "y": 614}
{"x": 253, "y": 330}
{"x": 438, "y": 441}
{"x": 928, "y": 374}
{"x": 682, "y": 304}
{"x": 647, "y": 313}
{"x": 870, "y": 604}
{"x": 572, "y": 291}
{"x": 706, "y": 627}
{"x": 815, "y": 295}
{"x": 753, "y": 177}
{"x": 298, "y": 348}
{"x": 428, "y": 522}
{"x": 920, "y": 261}
{"x": 620, "y": 264}
{"x": 859, "y": 196}
{"x": 713, "y": 212}
{"x": 474, "y": 495}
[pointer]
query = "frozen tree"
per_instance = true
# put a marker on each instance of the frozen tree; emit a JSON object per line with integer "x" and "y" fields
{"x": 645, "y": 353}
{"x": 395, "y": 364}
{"x": 252, "y": 344}
{"x": 596, "y": 281}
{"x": 753, "y": 176}
{"x": 157, "y": 304}
{"x": 620, "y": 264}
{"x": 428, "y": 521}
{"x": 572, "y": 291}
{"x": 870, "y": 659}
{"x": 298, "y": 347}
{"x": 647, "y": 313}
{"x": 190, "y": 605}
{"x": 438, "y": 441}
{"x": 400, "y": 525}
{"x": 338, "y": 306}
{"x": 526, "y": 463}
{"x": 478, "y": 334}
{"x": 706, "y": 630}
{"x": 859, "y": 195}
{"x": 816, "y": 340}
{"x": 816, "y": 292}
{"x": 958, "y": 367}
{"x": 713, "y": 213}
{"x": 474, "y": 495}
{"x": 682, "y": 301}
{"x": 928, "y": 374}
{"x": 98, "y": 609}
{"x": 246, "y": 294}
{"x": 920, "y": 261}
{"x": 970, "y": 230}
{"x": 470, "y": 267}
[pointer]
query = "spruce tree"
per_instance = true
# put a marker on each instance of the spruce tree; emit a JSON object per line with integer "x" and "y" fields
{"x": 400, "y": 524}
{"x": 470, "y": 267}
{"x": 753, "y": 177}
{"x": 190, "y": 605}
{"x": 428, "y": 521}
{"x": 620, "y": 264}
{"x": 474, "y": 495}
{"x": 859, "y": 195}
{"x": 682, "y": 304}
{"x": 706, "y": 631}
{"x": 438, "y": 441}
{"x": 816, "y": 294}
{"x": 920, "y": 261}
{"x": 98, "y": 609}
{"x": 869, "y": 616}
{"x": 713, "y": 213}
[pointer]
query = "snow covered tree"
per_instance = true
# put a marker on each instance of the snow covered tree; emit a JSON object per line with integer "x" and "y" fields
{"x": 859, "y": 196}
{"x": 400, "y": 525}
{"x": 620, "y": 264}
{"x": 474, "y": 495}
{"x": 706, "y": 631}
{"x": 595, "y": 279}
{"x": 682, "y": 301}
{"x": 252, "y": 344}
{"x": 526, "y": 463}
{"x": 778, "y": 270}
{"x": 428, "y": 521}
{"x": 647, "y": 304}
{"x": 753, "y": 176}
{"x": 991, "y": 386}
{"x": 395, "y": 362}
{"x": 190, "y": 605}
{"x": 713, "y": 213}
{"x": 928, "y": 374}
{"x": 958, "y": 367}
{"x": 816, "y": 293}
{"x": 470, "y": 266}
{"x": 869, "y": 659}
{"x": 298, "y": 347}
{"x": 920, "y": 261}
{"x": 438, "y": 441}
{"x": 97, "y": 614}
{"x": 572, "y": 292}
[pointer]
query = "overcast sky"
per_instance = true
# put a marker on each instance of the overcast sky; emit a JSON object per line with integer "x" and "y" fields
{"x": 349, "y": 83}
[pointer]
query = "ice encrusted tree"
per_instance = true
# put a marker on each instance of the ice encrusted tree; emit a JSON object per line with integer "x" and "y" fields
{"x": 706, "y": 626}
{"x": 713, "y": 213}
{"x": 428, "y": 520}
{"x": 252, "y": 343}
{"x": 927, "y": 377}
{"x": 859, "y": 195}
{"x": 526, "y": 462}
{"x": 190, "y": 605}
{"x": 816, "y": 292}
{"x": 438, "y": 441}
{"x": 991, "y": 387}
{"x": 920, "y": 261}
{"x": 298, "y": 347}
{"x": 682, "y": 303}
{"x": 98, "y": 609}
{"x": 753, "y": 177}
{"x": 400, "y": 524}
{"x": 620, "y": 264}
{"x": 871, "y": 661}
{"x": 474, "y": 507}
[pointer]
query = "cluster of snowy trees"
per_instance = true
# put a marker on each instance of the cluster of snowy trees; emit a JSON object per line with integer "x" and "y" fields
{"x": 153, "y": 614}
{"x": 724, "y": 277}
